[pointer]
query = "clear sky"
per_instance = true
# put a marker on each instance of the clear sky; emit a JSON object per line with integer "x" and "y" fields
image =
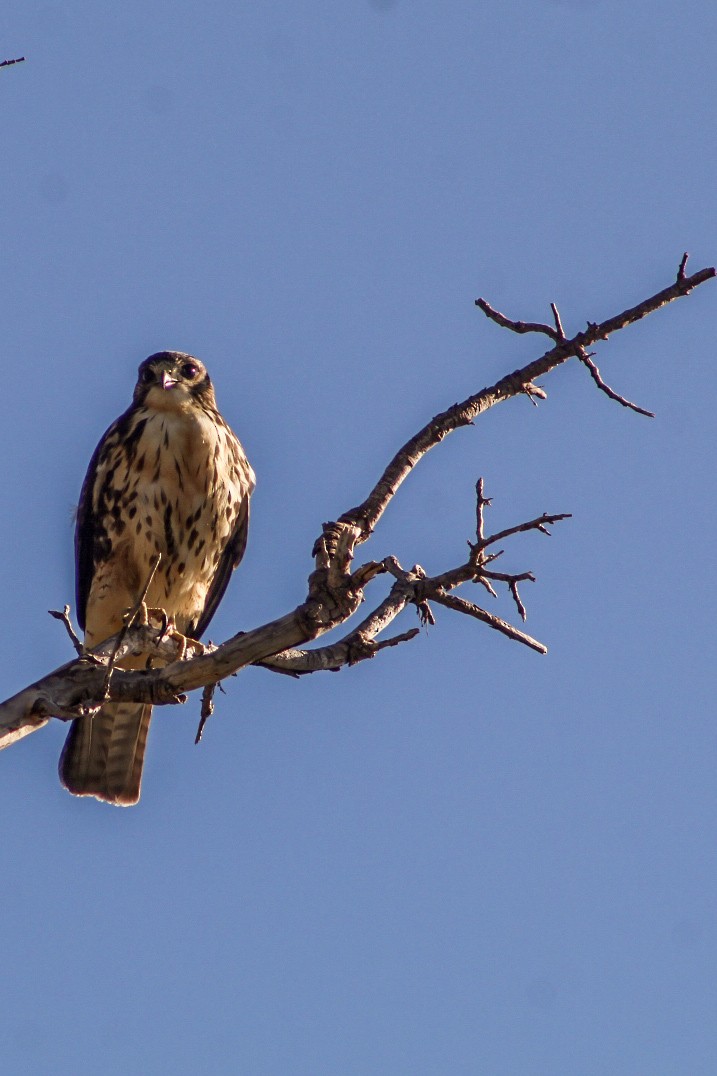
{"x": 463, "y": 857}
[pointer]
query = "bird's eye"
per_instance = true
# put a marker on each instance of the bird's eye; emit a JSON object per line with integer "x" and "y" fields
{"x": 147, "y": 375}
{"x": 189, "y": 370}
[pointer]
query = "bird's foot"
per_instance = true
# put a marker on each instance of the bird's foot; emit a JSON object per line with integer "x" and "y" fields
{"x": 186, "y": 646}
{"x": 148, "y": 615}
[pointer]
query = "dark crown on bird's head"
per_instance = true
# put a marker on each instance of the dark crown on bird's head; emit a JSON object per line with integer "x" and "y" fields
{"x": 182, "y": 369}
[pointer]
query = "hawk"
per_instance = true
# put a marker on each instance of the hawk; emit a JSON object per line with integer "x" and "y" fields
{"x": 169, "y": 477}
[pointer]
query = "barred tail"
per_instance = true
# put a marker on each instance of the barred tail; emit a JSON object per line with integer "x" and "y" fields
{"x": 103, "y": 755}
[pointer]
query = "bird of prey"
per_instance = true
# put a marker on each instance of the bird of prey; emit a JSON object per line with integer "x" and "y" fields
{"x": 169, "y": 477}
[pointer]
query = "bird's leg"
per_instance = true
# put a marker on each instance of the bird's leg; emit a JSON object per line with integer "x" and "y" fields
{"x": 139, "y": 614}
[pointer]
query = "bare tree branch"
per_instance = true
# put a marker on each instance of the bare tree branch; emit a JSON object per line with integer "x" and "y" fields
{"x": 540, "y": 524}
{"x": 64, "y": 616}
{"x": 460, "y": 605}
{"x": 586, "y": 359}
{"x": 482, "y": 502}
{"x": 335, "y": 589}
{"x": 515, "y": 326}
{"x": 366, "y": 515}
{"x": 207, "y": 709}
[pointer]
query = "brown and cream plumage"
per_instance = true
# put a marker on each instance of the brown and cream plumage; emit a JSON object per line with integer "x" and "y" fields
{"x": 168, "y": 477}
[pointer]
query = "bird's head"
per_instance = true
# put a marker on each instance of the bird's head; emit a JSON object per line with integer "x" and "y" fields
{"x": 173, "y": 381}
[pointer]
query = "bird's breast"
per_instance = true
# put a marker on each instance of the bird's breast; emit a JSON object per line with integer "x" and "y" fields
{"x": 178, "y": 494}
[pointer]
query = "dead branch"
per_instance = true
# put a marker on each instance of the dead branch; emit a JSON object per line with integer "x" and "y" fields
{"x": 335, "y": 590}
{"x": 460, "y": 605}
{"x": 586, "y": 359}
{"x": 64, "y": 616}
{"x": 540, "y": 524}
{"x": 207, "y": 709}
{"x": 515, "y": 326}
{"x": 366, "y": 515}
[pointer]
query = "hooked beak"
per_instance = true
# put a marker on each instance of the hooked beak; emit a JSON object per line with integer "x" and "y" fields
{"x": 167, "y": 381}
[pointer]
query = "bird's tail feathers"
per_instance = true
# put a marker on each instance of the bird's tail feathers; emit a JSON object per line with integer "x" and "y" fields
{"x": 103, "y": 755}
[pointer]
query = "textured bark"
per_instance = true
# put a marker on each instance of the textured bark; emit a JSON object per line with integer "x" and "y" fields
{"x": 336, "y": 588}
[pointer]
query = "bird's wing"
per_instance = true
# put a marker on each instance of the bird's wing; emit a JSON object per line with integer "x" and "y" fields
{"x": 89, "y": 533}
{"x": 230, "y": 558}
{"x": 85, "y": 537}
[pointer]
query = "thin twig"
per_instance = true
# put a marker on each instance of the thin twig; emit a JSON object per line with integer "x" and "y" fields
{"x": 516, "y": 598}
{"x": 512, "y": 582}
{"x": 366, "y": 515}
{"x": 505, "y": 577}
{"x": 585, "y": 358}
{"x": 682, "y": 267}
{"x": 9, "y": 63}
{"x": 460, "y": 605}
{"x": 324, "y": 609}
{"x": 486, "y": 583}
{"x": 515, "y": 326}
{"x": 394, "y": 640}
{"x": 540, "y": 524}
{"x": 534, "y": 393}
{"x": 560, "y": 332}
{"x": 207, "y": 709}
{"x": 128, "y": 621}
{"x": 481, "y": 503}
{"x": 64, "y": 616}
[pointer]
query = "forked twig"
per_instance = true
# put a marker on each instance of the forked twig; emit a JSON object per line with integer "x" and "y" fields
{"x": 541, "y": 524}
{"x": 334, "y": 593}
{"x": 482, "y": 503}
{"x": 520, "y": 327}
{"x": 64, "y": 616}
{"x": 512, "y": 583}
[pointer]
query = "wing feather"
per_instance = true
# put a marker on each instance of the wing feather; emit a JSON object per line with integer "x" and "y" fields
{"x": 88, "y": 529}
{"x": 229, "y": 560}
{"x": 85, "y": 538}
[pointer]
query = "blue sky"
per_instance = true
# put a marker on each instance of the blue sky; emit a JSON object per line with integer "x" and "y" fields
{"x": 463, "y": 857}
